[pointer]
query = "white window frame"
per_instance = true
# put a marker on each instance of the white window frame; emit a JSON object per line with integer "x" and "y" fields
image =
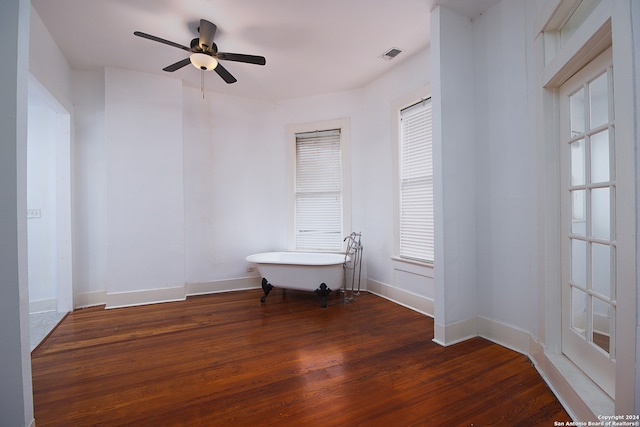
{"x": 412, "y": 98}
{"x": 345, "y": 131}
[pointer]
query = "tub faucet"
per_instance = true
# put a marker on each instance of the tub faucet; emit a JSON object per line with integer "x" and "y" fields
{"x": 354, "y": 240}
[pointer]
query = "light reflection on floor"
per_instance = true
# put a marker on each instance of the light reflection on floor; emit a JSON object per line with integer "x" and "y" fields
{"x": 328, "y": 364}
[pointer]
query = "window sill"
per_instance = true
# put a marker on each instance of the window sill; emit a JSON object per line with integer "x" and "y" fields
{"x": 413, "y": 266}
{"x": 427, "y": 264}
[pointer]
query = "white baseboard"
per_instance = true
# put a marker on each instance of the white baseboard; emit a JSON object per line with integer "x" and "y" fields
{"x": 42, "y": 306}
{"x": 150, "y": 296}
{"x": 454, "y": 333}
{"x": 154, "y": 296}
{"x": 222, "y": 286}
{"x": 553, "y": 378}
{"x": 404, "y": 298}
{"x": 579, "y": 395}
{"x": 499, "y": 333}
{"x": 506, "y": 335}
{"x": 90, "y": 299}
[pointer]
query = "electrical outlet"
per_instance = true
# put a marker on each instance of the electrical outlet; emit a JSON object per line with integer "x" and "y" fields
{"x": 33, "y": 213}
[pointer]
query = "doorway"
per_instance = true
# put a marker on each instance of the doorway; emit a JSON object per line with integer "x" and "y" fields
{"x": 48, "y": 211}
{"x": 588, "y": 180}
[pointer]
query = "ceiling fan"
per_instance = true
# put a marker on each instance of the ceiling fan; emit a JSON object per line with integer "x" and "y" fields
{"x": 204, "y": 53}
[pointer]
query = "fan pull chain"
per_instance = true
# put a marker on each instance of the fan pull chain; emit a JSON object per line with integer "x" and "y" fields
{"x": 202, "y": 83}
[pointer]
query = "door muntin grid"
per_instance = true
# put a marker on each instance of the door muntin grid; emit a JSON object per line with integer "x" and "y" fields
{"x": 592, "y": 202}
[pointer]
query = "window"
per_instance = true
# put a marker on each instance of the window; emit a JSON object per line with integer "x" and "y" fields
{"x": 416, "y": 183}
{"x": 581, "y": 11}
{"x": 320, "y": 187}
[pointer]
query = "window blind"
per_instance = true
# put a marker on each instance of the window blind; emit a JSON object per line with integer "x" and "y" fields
{"x": 416, "y": 183}
{"x": 318, "y": 191}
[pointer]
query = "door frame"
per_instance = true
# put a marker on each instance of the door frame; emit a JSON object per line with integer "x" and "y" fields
{"x": 64, "y": 242}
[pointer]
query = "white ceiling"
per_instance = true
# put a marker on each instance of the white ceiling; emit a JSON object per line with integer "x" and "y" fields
{"x": 311, "y": 46}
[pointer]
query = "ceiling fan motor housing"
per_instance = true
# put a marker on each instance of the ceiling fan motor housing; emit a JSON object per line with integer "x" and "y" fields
{"x": 195, "y": 47}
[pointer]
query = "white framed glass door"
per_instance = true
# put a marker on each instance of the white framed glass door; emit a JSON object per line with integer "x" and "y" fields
{"x": 588, "y": 212}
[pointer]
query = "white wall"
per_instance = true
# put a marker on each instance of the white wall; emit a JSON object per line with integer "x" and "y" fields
{"x": 455, "y": 173}
{"x": 50, "y": 79}
{"x": 89, "y": 188}
{"x": 16, "y": 397}
{"x": 41, "y": 195}
{"x": 506, "y": 172}
{"x": 234, "y": 184}
{"x": 145, "y": 211}
{"x": 47, "y": 63}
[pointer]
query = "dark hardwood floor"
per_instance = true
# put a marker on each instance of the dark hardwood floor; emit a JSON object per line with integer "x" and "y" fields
{"x": 227, "y": 360}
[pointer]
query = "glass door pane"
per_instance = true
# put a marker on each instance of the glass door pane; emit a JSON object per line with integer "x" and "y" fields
{"x": 578, "y": 263}
{"x": 576, "y": 102}
{"x": 601, "y": 318}
{"x": 601, "y": 269}
{"x": 598, "y": 102}
{"x": 579, "y": 311}
{"x": 579, "y": 212}
{"x": 600, "y": 156}
{"x": 601, "y": 213}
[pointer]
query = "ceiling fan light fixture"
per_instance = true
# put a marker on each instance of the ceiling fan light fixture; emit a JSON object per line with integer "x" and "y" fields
{"x": 203, "y": 62}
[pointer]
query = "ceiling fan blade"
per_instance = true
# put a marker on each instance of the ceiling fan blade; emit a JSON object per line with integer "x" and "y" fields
{"x": 159, "y": 40}
{"x": 207, "y": 32}
{"x": 177, "y": 65}
{"x": 239, "y": 57}
{"x": 225, "y": 74}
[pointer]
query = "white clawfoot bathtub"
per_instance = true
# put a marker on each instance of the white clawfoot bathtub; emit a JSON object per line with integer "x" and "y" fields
{"x": 305, "y": 271}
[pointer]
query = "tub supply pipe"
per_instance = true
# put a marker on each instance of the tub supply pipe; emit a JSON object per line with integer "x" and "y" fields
{"x": 354, "y": 253}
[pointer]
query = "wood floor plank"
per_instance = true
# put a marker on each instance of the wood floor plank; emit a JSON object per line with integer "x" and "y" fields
{"x": 227, "y": 359}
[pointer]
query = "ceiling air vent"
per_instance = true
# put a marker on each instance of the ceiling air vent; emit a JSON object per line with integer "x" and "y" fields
{"x": 390, "y": 54}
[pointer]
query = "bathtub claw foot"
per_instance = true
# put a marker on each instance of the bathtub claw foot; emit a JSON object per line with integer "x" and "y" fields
{"x": 323, "y": 291}
{"x": 266, "y": 287}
